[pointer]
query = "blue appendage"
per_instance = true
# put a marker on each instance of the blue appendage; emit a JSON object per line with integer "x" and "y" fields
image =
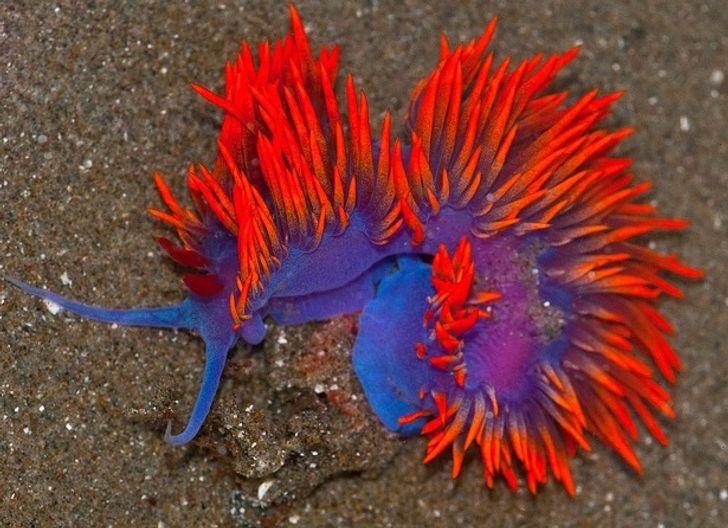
{"x": 177, "y": 316}
{"x": 215, "y": 356}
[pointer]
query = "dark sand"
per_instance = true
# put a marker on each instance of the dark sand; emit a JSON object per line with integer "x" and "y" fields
{"x": 95, "y": 97}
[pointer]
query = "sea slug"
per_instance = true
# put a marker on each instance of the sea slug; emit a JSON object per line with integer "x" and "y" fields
{"x": 506, "y": 302}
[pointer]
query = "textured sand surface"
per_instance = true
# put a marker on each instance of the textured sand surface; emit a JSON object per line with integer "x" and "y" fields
{"x": 95, "y": 97}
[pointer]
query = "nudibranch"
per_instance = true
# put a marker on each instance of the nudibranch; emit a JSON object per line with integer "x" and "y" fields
{"x": 530, "y": 329}
{"x": 506, "y": 301}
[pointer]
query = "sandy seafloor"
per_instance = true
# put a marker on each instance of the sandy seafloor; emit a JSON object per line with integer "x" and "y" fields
{"x": 94, "y": 97}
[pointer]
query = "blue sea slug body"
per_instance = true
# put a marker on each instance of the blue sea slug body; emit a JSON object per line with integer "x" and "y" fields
{"x": 507, "y": 303}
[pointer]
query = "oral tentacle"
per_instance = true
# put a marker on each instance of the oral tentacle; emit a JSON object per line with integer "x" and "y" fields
{"x": 176, "y": 316}
{"x": 215, "y": 355}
